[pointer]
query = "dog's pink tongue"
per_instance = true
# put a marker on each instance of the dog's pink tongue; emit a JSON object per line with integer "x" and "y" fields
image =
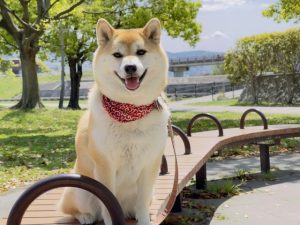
{"x": 132, "y": 83}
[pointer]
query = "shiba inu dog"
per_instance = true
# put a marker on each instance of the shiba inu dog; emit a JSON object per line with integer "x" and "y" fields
{"x": 121, "y": 138}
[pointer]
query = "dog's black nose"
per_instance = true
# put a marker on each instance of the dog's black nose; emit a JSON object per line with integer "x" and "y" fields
{"x": 130, "y": 69}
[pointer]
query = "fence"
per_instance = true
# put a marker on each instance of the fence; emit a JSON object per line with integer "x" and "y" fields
{"x": 178, "y": 91}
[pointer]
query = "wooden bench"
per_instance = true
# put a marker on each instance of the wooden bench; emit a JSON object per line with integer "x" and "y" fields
{"x": 192, "y": 153}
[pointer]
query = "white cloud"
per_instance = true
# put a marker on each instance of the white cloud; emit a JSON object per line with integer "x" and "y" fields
{"x": 219, "y": 34}
{"x": 216, "y": 5}
{"x": 216, "y": 34}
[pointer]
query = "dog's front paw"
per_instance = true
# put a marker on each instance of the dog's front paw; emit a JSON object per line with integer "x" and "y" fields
{"x": 85, "y": 218}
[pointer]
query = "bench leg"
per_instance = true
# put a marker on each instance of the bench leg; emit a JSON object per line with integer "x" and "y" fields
{"x": 177, "y": 207}
{"x": 164, "y": 166}
{"x": 201, "y": 178}
{"x": 264, "y": 158}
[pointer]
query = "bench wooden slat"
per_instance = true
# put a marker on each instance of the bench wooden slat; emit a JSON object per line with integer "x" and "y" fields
{"x": 46, "y": 221}
{"x": 50, "y": 213}
{"x": 49, "y": 220}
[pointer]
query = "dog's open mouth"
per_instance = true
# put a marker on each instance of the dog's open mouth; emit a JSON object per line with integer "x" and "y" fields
{"x": 132, "y": 82}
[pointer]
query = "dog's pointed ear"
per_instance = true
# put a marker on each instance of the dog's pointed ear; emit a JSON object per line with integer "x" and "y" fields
{"x": 104, "y": 32}
{"x": 152, "y": 30}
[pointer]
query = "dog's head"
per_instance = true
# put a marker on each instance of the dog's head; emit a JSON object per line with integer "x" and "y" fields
{"x": 129, "y": 65}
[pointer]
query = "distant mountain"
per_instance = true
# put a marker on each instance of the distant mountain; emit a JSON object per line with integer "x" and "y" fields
{"x": 192, "y": 54}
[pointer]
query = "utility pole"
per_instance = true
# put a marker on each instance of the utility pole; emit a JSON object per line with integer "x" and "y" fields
{"x": 62, "y": 78}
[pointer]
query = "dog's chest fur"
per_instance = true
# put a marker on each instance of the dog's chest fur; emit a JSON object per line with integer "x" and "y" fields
{"x": 130, "y": 147}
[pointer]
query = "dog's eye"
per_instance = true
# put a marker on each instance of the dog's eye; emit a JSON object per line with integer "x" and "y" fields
{"x": 117, "y": 55}
{"x": 141, "y": 52}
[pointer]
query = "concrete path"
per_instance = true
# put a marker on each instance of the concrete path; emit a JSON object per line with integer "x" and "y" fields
{"x": 7, "y": 200}
{"x": 263, "y": 202}
{"x": 270, "y": 203}
{"x": 238, "y": 109}
{"x": 176, "y": 107}
{"x": 207, "y": 98}
{"x": 184, "y": 106}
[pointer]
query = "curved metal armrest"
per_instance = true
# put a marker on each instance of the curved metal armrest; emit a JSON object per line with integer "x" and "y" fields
{"x": 67, "y": 180}
{"x": 184, "y": 138}
{"x": 187, "y": 149}
{"x": 207, "y": 115}
{"x": 262, "y": 116}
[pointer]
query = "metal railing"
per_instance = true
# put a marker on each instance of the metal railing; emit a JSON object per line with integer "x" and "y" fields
{"x": 192, "y": 60}
{"x": 198, "y": 90}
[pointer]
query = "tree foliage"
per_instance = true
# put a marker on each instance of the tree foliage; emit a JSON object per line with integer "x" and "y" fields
{"x": 284, "y": 10}
{"x": 22, "y": 23}
{"x": 218, "y": 69}
{"x": 79, "y": 44}
{"x": 6, "y": 67}
{"x": 178, "y": 18}
{"x": 271, "y": 52}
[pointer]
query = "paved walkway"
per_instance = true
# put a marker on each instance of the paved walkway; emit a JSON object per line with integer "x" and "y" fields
{"x": 205, "y": 109}
{"x": 184, "y": 106}
{"x": 264, "y": 202}
{"x": 207, "y": 98}
{"x": 7, "y": 200}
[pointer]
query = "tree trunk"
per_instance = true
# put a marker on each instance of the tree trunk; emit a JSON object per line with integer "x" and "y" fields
{"x": 30, "y": 89}
{"x": 291, "y": 88}
{"x": 75, "y": 75}
{"x": 62, "y": 77}
{"x": 254, "y": 90}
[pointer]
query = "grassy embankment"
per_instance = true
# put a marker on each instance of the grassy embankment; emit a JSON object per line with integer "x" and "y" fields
{"x": 40, "y": 143}
{"x": 12, "y": 86}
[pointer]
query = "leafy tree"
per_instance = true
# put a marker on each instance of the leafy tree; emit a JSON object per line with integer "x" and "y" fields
{"x": 284, "y": 10}
{"x": 277, "y": 52}
{"x": 218, "y": 69}
{"x": 178, "y": 18}
{"x": 287, "y": 58}
{"x": 246, "y": 62}
{"x": 79, "y": 44}
{"x": 6, "y": 67}
{"x": 22, "y": 24}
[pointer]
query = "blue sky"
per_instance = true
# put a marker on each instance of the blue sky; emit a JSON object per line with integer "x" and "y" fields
{"x": 225, "y": 21}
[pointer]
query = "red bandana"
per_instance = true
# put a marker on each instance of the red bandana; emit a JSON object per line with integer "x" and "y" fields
{"x": 125, "y": 112}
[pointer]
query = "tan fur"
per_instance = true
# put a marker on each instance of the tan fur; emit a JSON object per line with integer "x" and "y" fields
{"x": 125, "y": 157}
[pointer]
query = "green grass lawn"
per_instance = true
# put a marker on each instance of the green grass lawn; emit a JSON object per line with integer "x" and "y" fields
{"x": 35, "y": 144}
{"x": 225, "y": 102}
{"x": 12, "y": 86}
{"x": 40, "y": 143}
